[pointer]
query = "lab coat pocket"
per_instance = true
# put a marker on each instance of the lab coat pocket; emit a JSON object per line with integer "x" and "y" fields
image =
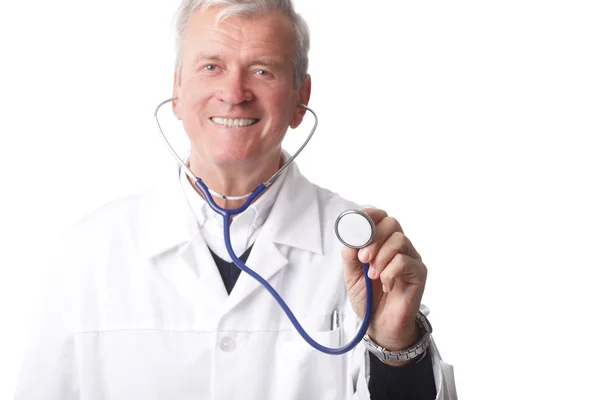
{"x": 304, "y": 372}
{"x": 324, "y": 329}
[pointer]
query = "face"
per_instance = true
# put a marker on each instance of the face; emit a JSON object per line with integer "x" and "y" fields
{"x": 237, "y": 97}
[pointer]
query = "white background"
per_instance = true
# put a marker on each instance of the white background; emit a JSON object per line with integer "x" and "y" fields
{"x": 474, "y": 123}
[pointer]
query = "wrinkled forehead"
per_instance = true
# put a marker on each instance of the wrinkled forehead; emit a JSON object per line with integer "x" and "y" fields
{"x": 266, "y": 32}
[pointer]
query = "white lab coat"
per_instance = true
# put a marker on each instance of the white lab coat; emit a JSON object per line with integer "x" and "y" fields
{"x": 136, "y": 308}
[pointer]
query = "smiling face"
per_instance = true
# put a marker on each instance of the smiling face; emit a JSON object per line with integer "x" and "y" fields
{"x": 236, "y": 97}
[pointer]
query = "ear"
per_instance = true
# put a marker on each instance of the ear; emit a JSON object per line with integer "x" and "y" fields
{"x": 175, "y": 103}
{"x": 303, "y": 98}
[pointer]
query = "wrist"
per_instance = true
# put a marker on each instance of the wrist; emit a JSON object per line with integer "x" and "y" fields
{"x": 407, "y": 337}
{"x": 404, "y": 350}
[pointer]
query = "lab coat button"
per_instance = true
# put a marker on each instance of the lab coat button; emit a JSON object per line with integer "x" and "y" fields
{"x": 227, "y": 344}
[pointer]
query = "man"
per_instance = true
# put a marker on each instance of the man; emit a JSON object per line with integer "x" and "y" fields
{"x": 144, "y": 302}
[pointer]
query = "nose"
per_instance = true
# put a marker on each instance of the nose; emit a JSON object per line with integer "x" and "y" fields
{"x": 234, "y": 89}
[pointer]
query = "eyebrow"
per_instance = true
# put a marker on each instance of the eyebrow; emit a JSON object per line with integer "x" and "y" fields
{"x": 269, "y": 62}
{"x": 201, "y": 57}
{"x": 266, "y": 61}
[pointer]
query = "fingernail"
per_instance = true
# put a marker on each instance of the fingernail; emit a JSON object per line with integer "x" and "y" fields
{"x": 371, "y": 273}
{"x": 384, "y": 288}
{"x": 363, "y": 254}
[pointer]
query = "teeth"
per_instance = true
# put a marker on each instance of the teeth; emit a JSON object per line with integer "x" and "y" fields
{"x": 229, "y": 122}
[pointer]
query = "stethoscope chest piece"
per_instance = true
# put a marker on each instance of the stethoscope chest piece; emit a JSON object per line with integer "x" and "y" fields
{"x": 355, "y": 229}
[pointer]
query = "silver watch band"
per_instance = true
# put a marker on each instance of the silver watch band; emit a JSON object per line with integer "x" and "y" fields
{"x": 407, "y": 354}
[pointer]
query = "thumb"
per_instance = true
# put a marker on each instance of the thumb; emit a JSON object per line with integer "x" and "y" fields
{"x": 352, "y": 265}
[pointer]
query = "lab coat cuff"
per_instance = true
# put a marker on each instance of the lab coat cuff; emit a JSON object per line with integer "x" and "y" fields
{"x": 362, "y": 384}
{"x": 443, "y": 374}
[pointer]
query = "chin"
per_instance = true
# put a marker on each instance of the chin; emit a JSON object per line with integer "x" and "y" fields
{"x": 233, "y": 156}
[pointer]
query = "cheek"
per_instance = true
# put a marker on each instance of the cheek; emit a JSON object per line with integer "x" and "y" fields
{"x": 193, "y": 96}
{"x": 191, "y": 102}
{"x": 283, "y": 106}
{"x": 191, "y": 106}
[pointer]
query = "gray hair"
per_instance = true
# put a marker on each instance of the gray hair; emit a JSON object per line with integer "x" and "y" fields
{"x": 248, "y": 8}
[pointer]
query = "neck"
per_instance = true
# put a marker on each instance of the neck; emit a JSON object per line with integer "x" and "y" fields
{"x": 234, "y": 179}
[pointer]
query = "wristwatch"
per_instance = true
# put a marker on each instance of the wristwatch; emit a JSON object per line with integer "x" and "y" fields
{"x": 407, "y": 354}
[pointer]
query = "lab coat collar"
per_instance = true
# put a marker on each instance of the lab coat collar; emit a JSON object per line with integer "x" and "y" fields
{"x": 166, "y": 220}
{"x": 295, "y": 219}
{"x": 247, "y": 222}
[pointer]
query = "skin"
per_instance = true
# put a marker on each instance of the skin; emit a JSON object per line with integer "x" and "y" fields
{"x": 399, "y": 277}
{"x": 242, "y": 67}
{"x": 238, "y": 68}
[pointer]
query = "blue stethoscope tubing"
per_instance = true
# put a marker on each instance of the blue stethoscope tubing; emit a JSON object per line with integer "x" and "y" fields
{"x": 228, "y": 213}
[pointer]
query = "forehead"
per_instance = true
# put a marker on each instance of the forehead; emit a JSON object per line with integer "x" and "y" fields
{"x": 271, "y": 33}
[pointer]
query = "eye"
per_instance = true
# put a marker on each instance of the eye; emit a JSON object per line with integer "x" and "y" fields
{"x": 262, "y": 72}
{"x": 210, "y": 67}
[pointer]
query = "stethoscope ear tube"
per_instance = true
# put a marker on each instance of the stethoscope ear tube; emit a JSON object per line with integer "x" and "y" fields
{"x": 267, "y": 183}
{"x": 227, "y": 214}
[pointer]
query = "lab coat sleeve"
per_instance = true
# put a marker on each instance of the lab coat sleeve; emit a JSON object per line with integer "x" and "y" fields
{"x": 359, "y": 368}
{"x": 49, "y": 368}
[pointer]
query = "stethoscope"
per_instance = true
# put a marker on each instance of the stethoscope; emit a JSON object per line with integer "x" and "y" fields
{"x": 354, "y": 229}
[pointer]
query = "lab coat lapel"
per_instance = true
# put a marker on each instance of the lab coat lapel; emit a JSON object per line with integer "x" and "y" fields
{"x": 170, "y": 235}
{"x": 266, "y": 260}
{"x": 294, "y": 221}
{"x": 204, "y": 286}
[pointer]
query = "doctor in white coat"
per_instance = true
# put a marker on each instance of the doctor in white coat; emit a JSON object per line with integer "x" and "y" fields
{"x": 136, "y": 307}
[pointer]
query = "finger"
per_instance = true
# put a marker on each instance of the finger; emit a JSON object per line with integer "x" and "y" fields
{"x": 375, "y": 214}
{"x": 405, "y": 268}
{"x": 411, "y": 251}
{"x": 349, "y": 255}
{"x": 383, "y": 230}
{"x": 396, "y": 243}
